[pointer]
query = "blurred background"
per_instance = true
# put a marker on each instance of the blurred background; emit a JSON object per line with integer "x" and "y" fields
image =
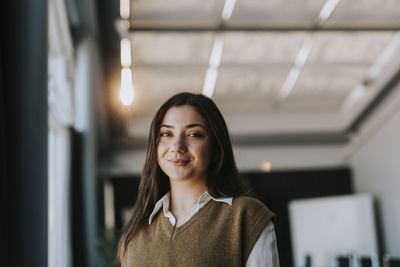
{"x": 310, "y": 91}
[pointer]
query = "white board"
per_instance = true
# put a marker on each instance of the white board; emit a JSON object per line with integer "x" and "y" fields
{"x": 329, "y": 226}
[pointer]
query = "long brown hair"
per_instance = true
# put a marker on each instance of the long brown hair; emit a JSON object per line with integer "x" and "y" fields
{"x": 222, "y": 176}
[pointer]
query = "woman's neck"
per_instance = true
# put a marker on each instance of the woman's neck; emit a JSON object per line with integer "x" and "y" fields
{"x": 184, "y": 195}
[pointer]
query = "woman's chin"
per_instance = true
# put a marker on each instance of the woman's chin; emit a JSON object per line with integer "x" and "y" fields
{"x": 178, "y": 177}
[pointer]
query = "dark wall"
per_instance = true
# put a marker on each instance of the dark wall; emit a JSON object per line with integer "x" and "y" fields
{"x": 79, "y": 251}
{"x": 125, "y": 193}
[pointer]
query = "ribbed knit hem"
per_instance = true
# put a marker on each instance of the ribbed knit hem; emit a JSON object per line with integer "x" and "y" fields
{"x": 259, "y": 225}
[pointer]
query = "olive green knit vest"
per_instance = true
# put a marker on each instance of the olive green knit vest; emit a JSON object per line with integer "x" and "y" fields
{"x": 217, "y": 235}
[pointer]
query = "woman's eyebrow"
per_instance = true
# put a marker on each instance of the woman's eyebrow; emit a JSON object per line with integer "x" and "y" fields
{"x": 187, "y": 126}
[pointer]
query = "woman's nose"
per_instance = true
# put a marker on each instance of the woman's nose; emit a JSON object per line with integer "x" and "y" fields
{"x": 178, "y": 145}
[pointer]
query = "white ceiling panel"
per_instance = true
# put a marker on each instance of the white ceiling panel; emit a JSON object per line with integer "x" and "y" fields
{"x": 366, "y": 13}
{"x": 238, "y": 82}
{"x": 248, "y": 90}
{"x": 155, "y": 85}
{"x": 308, "y": 106}
{"x": 271, "y": 13}
{"x": 176, "y": 13}
{"x": 261, "y": 48}
{"x": 330, "y": 83}
{"x": 150, "y": 48}
{"x": 348, "y": 47}
{"x": 275, "y": 13}
{"x": 259, "y": 51}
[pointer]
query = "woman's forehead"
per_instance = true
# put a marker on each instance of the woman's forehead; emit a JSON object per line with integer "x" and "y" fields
{"x": 183, "y": 116}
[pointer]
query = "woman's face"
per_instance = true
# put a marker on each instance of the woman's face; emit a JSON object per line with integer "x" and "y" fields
{"x": 183, "y": 150}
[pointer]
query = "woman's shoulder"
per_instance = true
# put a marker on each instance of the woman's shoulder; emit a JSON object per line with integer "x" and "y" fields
{"x": 251, "y": 211}
{"x": 247, "y": 201}
{"x": 250, "y": 204}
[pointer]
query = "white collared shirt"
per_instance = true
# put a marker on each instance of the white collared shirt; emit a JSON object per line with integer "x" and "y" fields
{"x": 264, "y": 252}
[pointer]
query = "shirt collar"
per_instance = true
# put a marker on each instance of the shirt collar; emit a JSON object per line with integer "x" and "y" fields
{"x": 203, "y": 199}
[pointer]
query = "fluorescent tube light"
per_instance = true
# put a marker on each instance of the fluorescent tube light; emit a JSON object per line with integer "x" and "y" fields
{"x": 327, "y": 9}
{"x": 212, "y": 72}
{"x": 216, "y": 53}
{"x": 228, "y": 9}
{"x": 209, "y": 82}
{"x": 391, "y": 50}
{"x": 294, "y": 73}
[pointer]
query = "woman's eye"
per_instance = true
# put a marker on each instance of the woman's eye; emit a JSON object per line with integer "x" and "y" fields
{"x": 195, "y": 135}
{"x": 164, "y": 134}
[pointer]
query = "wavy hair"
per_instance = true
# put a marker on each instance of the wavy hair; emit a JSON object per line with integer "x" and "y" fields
{"x": 222, "y": 175}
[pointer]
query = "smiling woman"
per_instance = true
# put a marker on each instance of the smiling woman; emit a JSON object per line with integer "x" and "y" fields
{"x": 183, "y": 150}
{"x": 207, "y": 217}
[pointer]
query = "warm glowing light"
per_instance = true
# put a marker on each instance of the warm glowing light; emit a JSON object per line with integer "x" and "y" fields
{"x": 126, "y": 92}
{"x": 124, "y": 9}
{"x": 125, "y": 24}
{"x": 266, "y": 166}
{"x": 126, "y": 52}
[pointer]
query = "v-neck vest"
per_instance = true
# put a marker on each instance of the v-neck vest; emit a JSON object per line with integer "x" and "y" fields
{"x": 217, "y": 235}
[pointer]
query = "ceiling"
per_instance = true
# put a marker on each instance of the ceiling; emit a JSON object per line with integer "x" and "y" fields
{"x": 285, "y": 73}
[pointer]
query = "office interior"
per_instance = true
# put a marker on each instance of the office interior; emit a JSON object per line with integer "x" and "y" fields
{"x": 310, "y": 91}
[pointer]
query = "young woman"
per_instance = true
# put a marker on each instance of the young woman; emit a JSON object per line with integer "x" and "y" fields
{"x": 192, "y": 209}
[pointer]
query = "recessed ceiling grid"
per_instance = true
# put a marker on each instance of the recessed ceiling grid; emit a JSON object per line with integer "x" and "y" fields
{"x": 254, "y": 66}
{"x": 370, "y": 14}
{"x": 171, "y": 54}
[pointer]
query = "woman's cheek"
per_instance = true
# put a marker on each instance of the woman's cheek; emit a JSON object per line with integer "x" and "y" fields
{"x": 160, "y": 148}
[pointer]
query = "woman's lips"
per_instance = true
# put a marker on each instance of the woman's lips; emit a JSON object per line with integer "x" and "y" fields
{"x": 179, "y": 162}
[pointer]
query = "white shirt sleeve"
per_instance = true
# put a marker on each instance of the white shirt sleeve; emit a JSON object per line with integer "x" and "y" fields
{"x": 264, "y": 252}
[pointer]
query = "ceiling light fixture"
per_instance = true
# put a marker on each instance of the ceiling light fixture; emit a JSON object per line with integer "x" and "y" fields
{"x": 216, "y": 53}
{"x": 212, "y": 71}
{"x": 126, "y": 52}
{"x": 215, "y": 59}
{"x": 126, "y": 92}
{"x": 209, "y": 82}
{"x": 228, "y": 9}
{"x": 376, "y": 71}
{"x": 294, "y": 73}
{"x": 266, "y": 166}
{"x": 390, "y": 51}
{"x": 124, "y": 9}
{"x": 327, "y": 10}
{"x": 356, "y": 94}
